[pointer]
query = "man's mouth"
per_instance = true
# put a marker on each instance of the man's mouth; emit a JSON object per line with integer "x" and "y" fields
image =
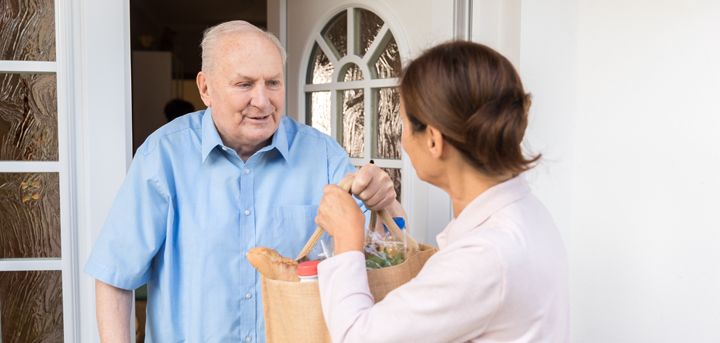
{"x": 260, "y": 118}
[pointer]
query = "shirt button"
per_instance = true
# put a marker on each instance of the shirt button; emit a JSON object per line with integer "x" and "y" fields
{"x": 247, "y": 171}
{"x": 248, "y": 339}
{"x": 224, "y": 148}
{"x": 247, "y": 212}
{"x": 248, "y": 296}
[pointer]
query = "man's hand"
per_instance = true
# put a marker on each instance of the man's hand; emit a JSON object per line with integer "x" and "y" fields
{"x": 373, "y": 186}
{"x": 341, "y": 217}
{"x": 113, "y": 307}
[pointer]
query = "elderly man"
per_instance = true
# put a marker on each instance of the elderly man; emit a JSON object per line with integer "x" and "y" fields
{"x": 208, "y": 187}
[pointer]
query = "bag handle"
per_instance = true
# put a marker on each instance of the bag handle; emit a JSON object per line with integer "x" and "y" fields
{"x": 346, "y": 184}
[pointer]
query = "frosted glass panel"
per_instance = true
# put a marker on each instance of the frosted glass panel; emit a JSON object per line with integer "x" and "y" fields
{"x": 29, "y": 215}
{"x": 335, "y": 34}
{"x": 389, "y": 125}
{"x": 353, "y": 121}
{"x": 321, "y": 69}
{"x": 27, "y": 30}
{"x": 369, "y": 27}
{"x": 31, "y": 307}
{"x": 319, "y": 110}
{"x": 388, "y": 64}
{"x": 353, "y": 73}
{"x": 28, "y": 117}
{"x": 396, "y": 177}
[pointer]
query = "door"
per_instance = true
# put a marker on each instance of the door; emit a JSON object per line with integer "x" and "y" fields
{"x": 344, "y": 62}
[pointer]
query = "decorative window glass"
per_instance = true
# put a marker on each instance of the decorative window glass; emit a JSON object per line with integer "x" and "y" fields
{"x": 350, "y": 89}
{"x": 32, "y": 261}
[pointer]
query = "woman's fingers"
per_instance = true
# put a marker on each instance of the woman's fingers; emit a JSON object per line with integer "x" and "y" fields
{"x": 337, "y": 207}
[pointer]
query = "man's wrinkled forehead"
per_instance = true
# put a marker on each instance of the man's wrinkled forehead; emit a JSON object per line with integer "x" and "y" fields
{"x": 246, "y": 41}
{"x": 246, "y": 44}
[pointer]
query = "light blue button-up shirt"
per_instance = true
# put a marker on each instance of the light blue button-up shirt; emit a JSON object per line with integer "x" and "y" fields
{"x": 190, "y": 208}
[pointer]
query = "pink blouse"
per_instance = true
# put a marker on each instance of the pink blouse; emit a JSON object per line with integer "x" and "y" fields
{"x": 501, "y": 275}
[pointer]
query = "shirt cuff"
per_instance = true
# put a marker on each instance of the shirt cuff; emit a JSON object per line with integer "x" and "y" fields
{"x": 340, "y": 261}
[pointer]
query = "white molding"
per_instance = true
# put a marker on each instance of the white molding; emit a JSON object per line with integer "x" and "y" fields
{"x": 28, "y": 67}
{"x": 376, "y": 83}
{"x": 31, "y": 166}
{"x": 347, "y": 59}
{"x": 462, "y": 28}
{"x": 27, "y": 264}
{"x": 326, "y": 50}
{"x": 333, "y": 115}
{"x": 382, "y": 163}
{"x": 374, "y": 45}
{"x": 350, "y": 32}
{"x": 68, "y": 206}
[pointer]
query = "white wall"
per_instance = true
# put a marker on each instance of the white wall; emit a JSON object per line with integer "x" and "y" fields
{"x": 625, "y": 113}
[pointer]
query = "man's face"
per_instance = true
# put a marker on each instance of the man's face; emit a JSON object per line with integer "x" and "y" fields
{"x": 245, "y": 90}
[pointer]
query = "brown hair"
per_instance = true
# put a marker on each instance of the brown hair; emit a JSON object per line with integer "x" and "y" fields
{"x": 474, "y": 96}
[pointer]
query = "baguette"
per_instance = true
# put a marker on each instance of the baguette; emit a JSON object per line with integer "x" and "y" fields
{"x": 273, "y": 266}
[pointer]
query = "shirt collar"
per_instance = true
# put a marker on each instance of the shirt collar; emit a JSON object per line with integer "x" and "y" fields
{"x": 486, "y": 204}
{"x": 211, "y": 138}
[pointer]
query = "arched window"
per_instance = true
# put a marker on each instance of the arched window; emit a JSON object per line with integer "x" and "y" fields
{"x": 351, "y": 91}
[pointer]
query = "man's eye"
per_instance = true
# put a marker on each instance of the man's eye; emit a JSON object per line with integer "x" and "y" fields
{"x": 274, "y": 83}
{"x": 244, "y": 85}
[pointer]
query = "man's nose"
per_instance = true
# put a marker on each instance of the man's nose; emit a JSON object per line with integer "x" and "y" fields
{"x": 260, "y": 98}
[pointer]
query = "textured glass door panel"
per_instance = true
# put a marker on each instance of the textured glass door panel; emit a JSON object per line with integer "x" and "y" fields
{"x": 352, "y": 73}
{"x": 319, "y": 108}
{"x": 388, "y": 143}
{"x": 353, "y": 122}
{"x": 335, "y": 34}
{"x": 369, "y": 26}
{"x": 321, "y": 69}
{"x": 388, "y": 63}
{"x": 31, "y": 307}
{"x": 29, "y": 215}
{"x": 28, "y": 117}
{"x": 27, "y": 30}
{"x": 396, "y": 177}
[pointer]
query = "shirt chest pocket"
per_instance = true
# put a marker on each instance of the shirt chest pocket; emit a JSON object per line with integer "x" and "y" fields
{"x": 292, "y": 228}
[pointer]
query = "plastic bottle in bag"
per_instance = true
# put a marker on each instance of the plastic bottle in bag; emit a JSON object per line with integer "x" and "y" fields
{"x": 395, "y": 245}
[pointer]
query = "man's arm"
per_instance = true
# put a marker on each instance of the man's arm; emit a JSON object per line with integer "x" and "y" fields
{"x": 113, "y": 307}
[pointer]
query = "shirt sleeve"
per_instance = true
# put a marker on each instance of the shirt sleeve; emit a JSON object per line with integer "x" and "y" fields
{"x": 135, "y": 228}
{"x": 452, "y": 299}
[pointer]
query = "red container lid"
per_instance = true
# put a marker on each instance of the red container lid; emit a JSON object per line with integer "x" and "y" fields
{"x": 308, "y": 268}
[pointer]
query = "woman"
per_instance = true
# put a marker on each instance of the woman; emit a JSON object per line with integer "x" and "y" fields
{"x": 501, "y": 272}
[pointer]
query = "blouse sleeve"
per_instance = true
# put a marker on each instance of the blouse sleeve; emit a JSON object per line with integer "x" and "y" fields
{"x": 452, "y": 299}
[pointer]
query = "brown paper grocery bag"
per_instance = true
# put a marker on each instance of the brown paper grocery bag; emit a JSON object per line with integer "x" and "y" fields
{"x": 292, "y": 309}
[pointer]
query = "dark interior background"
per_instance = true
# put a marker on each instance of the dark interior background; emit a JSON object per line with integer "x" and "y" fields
{"x": 177, "y": 25}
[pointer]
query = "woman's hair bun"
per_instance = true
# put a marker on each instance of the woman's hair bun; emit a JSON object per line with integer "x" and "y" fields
{"x": 474, "y": 96}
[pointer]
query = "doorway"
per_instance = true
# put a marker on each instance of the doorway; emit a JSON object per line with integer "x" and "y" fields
{"x": 166, "y": 58}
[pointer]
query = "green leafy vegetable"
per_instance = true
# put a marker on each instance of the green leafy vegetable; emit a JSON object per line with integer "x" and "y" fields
{"x": 382, "y": 260}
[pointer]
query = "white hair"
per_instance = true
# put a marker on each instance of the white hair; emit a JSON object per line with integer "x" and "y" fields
{"x": 212, "y": 36}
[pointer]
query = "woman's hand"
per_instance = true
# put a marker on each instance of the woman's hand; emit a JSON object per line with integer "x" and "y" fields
{"x": 341, "y": 217}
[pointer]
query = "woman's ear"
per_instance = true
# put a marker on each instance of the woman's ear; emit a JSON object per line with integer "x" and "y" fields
{"x": 435, "y": 141}
{"x": 202, "y": 83}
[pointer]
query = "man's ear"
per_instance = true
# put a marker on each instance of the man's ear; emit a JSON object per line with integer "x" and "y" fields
{"x": 435, "y": 141}
{"x": 202, "y": 84}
